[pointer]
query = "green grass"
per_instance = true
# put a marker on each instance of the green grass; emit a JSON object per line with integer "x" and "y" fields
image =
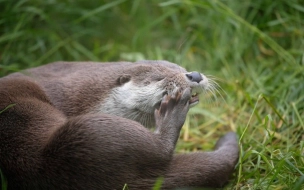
{"x": 255, "y": 49}
{"x": 3, "y": 181}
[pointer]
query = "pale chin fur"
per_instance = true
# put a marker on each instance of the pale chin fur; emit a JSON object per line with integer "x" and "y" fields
{"x": 133, "y": 102}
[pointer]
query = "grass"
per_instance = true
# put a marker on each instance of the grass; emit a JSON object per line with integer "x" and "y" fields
{"x": 255, "y": 49}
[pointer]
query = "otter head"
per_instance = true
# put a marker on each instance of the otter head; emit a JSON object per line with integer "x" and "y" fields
{"x": 141, "y": 86}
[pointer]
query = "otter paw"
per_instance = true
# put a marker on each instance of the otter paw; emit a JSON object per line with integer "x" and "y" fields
{"x": 167, "y": 104}
{"x": 173, "y": 109}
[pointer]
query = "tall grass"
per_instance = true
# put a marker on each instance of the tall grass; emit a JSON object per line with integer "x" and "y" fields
{"x": 254, "y": 48}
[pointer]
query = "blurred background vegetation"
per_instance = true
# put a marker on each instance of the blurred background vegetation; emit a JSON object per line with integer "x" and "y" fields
{"x": 255, "y": 48}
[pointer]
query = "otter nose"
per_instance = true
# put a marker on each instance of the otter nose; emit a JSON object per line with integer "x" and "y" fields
{"x": 195, "y": 76}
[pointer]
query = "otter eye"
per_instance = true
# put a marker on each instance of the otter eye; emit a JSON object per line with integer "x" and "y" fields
{"x": 123, "y": 79}
{"x": 158, "y": 78}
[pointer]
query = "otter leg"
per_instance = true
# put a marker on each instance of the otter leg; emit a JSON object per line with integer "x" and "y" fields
{"x": 204, "y": 169}
{"x": 200, "y": 169}
{"x": 170, "y": 117}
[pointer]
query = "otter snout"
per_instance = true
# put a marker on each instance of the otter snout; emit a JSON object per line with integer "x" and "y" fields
{"x": 194, "y": 76}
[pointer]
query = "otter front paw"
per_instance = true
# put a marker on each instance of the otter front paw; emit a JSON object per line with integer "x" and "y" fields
{"x": 173, "y": 110}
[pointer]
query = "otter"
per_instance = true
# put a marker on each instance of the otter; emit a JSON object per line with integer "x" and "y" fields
{"x": 84, "y": 125}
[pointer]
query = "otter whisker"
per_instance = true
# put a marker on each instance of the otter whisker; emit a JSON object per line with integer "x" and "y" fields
{"x": 216, "y": 88}
{"x": 213, "y": 97}
{"x": 213, "y": 80}
{"x": 208, "y": 99}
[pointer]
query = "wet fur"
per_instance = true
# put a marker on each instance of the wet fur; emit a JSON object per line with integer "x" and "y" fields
{"x": 43, "y": 147}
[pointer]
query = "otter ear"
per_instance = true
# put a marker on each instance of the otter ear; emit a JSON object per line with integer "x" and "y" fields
{"x": 123, "y": 79}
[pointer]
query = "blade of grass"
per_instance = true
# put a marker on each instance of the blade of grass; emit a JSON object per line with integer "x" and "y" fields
{"x": 222, "y": 8}
{"x": 98, "y": 10}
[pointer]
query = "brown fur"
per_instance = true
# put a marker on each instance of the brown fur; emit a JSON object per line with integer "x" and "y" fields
{"x": 42, "y": 148}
